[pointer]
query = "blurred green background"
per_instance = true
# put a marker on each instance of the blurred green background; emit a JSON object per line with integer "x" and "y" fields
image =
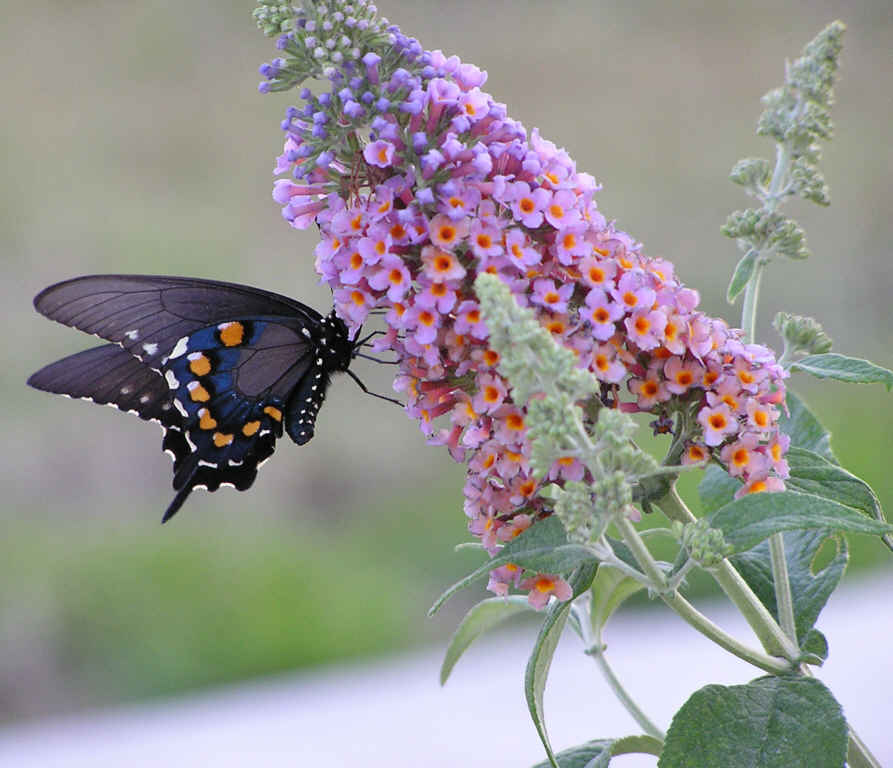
{"x": 135, "y": 141}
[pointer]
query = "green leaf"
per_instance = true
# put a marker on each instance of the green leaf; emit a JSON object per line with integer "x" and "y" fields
{"x": 804, "y": 428}
{"x": 583, "y": 755}
{"x": 843, "y": 368}
{"x": 742, "y": 274}
{"x": 609, "y": 590}
{"x": 482, "y": 617}
{"x": 772, "y": 722}
{"x": 716, "y": 489}
{"x": 540, "y": 660}
{"x": 813, "y": 473}
{"x": 536, "y": 545}
{"x": 811, "y": 586}
{"x": 598, "y": 752}
{"x": 815, "y": 647}
{"x": 751, "y": 519}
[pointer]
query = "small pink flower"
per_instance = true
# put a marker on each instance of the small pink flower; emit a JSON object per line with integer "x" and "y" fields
{"x": 391, "y": 276}
{"x": 682, "y": 376}
{"x": 547, "y": 295}
{"x": 718, "y": 423}
{"x": 440, "y": 265}
{"x": 447, "y": 233}
{"x": 560, "y": 211}
{"x": 761, "y": 483}
{"x": 542, "y": 587}
{"x": 602, "y": 314}
{"x": 742, "y": 457}
{"x": 646, "y": 328}
{"x": 760, "y": 417}
{"x": 379, "y": 153}
{"x": 527, "y": 206}
{"x": 491, "y": 393}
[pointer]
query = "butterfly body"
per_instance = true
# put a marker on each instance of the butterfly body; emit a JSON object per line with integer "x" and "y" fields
{"x": 224, "y": 368}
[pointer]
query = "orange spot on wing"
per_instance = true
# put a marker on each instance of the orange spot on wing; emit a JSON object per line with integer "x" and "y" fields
{"x": 206, "y": 420}
{"x": 250, "y": 428}
{"x": 273, "y": 412}
{"x": 197, "y": 393}
{"x": 199, "y": 364}
{"x": 231, "y": 334}
{"x": 221, "y": 440}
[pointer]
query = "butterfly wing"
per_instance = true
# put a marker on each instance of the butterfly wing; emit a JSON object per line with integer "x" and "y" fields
{"x": 231, "y": 383}
{"x": 109, "y": 375}
{"x": 148, "y": 315}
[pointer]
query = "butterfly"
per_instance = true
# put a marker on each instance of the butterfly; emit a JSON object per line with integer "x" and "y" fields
{"x": 224, "y": 368}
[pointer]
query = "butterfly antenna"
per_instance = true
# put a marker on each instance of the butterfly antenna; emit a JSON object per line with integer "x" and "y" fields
{"x": 376, "y": 359}
{"x": 369, "y": 392}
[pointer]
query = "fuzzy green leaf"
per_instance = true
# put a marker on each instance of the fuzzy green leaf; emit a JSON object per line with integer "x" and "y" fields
{"x": 716, "y": 489}
{"x": 538, "y": 541}
{"x": 482, "y": 617}
{"x": 772, "y": 722}
{"x": 598, "y": 752}
{"x": 813, "y": 473}
{"x": 811, "y": 585}
{"x": 742, "y": 274}
{"x": 609, "y": 590}
{"x": 805, "y": 429}
{"x": 843, "y": 368}
{"x": 751, "y": 519}
{"x": 540, "y": 660}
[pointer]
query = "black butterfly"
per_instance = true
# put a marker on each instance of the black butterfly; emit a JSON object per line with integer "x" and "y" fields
{"x": 222, "y": 367}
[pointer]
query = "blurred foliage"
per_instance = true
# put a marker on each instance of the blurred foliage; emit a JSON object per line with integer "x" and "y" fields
{"x": 136, "y": 142}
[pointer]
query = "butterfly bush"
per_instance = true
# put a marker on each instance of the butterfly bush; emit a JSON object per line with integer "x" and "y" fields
{"x": 419, "y": 181}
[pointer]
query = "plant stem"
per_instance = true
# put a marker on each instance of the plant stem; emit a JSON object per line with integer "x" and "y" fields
{"x": 859, "y": 755}
{"x": 770, "y": 634}
{"x": 620, "y": 692}
{"x": 690, "y": 614}
{"x": 784, "y": 600}
{"x": 595, "y": 648}
{"x": 751, "y": 296}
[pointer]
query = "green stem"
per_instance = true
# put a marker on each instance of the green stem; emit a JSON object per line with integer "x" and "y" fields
{"x": 858, "y": 754}
{"x": 751, "y": 297}
{"x": 784, "y": 600}
{"x": 770, "y": 634}
{"x": 690, "y": 614}
{"x": 620, "y": 692}
{"x": 595, "y": 648}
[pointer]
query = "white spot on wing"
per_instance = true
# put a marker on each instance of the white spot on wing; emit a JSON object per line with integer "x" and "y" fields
{"x": 179, "y": 348}
{"x": 171, "y": 379}
{"x": 132, "y": 335}
{"x": 150, "y": 349}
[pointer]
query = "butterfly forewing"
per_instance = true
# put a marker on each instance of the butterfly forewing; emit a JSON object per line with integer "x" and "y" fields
{"x": 148, "y": 315}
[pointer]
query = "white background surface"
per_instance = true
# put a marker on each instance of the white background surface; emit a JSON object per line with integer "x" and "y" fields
{"x": 395, "y": 714}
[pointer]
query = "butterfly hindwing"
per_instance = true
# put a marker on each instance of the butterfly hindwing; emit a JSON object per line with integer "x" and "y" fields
{"x": 108, "y": 375}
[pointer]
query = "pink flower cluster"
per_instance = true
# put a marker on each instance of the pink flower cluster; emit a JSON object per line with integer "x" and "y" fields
{"x": 452, "y": 187}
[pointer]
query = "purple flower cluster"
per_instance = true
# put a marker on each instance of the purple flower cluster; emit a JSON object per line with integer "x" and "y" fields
{"x": 447, "y": 186}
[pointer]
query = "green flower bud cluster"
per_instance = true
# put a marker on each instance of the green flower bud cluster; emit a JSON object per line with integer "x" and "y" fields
{"x": 802, "y": 335}
{"x": 274, "y": 18}
{"x": 544, "y": 377}
{"x": 319, "y": 36}
{"x": 705, "y": 545}
{"x": 797, "y": 116}
{"x": 767, "y": 232}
